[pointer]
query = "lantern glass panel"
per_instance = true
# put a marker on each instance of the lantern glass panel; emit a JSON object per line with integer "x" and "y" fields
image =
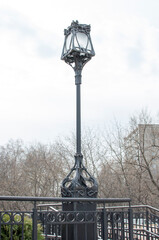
{"x": 76, "y": 43}
{"x": 89, "y": 47}
{"x": 82, "y": 40}
{"x": 68, "y": 42}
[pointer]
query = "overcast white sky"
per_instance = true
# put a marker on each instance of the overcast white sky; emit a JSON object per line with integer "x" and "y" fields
{"x": 37, "y": 91}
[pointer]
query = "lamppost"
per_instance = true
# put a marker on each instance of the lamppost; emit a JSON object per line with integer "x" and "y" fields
{"x": 77, "y": 51}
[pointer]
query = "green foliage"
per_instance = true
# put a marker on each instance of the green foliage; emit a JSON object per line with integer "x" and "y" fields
{"x": 17, "y": 228}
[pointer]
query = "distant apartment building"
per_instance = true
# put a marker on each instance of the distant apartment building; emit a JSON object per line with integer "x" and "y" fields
{"x": 142, "y": 145}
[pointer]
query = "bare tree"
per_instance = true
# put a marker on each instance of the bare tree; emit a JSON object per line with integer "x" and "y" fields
{"x": 134, "y": 160}
{"x": 124, "y": 161}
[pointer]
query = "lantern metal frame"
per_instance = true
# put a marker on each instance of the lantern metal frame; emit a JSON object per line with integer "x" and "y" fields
{"x": 72, "y": 49}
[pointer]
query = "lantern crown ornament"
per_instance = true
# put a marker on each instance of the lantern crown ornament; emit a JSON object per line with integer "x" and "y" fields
{"x": 77, "y": 44}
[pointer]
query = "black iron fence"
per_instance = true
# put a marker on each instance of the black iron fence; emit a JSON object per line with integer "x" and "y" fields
{"x": 47, "y": 220}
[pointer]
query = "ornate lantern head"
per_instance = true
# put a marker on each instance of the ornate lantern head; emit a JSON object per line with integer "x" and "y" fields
{"x": 77, "y": 44}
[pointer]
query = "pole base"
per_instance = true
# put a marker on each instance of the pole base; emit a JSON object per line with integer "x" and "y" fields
{"x": 82, "y": 218}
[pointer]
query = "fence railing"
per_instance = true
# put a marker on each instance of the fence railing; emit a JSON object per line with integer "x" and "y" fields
{"x": 107, "y": 222}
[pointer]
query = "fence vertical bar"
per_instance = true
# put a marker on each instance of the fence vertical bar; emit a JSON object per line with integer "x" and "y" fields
{"x": 11, "y": 227}
{"x": 122, "y": 226}
{"x": 35, "y": 218}
{"x": 85, "y": 226}
{"x": 22, "y": 226}
{"x": 95, "y": 230}
{"x": 112, "y": 224}
{"x": 104, "y": 224}
{"x": 130, "y": 216}
{"x": 76, "y": 232}
{"x": 66, "y": 231}
{"x": 147, "y": 223}
{"x": 0, "y": 224}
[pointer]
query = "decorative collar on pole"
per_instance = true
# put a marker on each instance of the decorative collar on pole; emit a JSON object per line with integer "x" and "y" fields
{"x": 79, "y": 183}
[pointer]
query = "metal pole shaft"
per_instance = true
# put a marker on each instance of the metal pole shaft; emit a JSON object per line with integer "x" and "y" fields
{"x": 78, "y": 119}
{"x": 78, "y": 110}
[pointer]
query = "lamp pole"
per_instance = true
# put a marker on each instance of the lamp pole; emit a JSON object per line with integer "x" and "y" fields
{"x": 78, "y": 76}
{"x": 77, "y": 51}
